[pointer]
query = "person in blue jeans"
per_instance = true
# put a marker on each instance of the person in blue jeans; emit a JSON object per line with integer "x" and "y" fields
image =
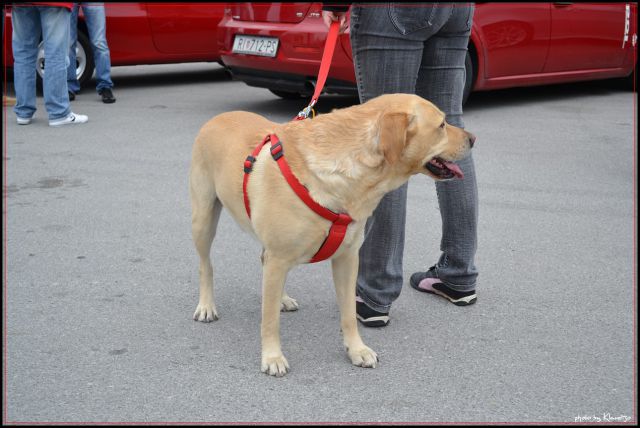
{"x": 94, "y": 17}
{"x": 49, "y": 21}
{"x": 416, "y": 48}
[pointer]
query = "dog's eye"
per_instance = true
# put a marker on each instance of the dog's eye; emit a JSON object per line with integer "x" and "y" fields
{"x": 442, "y": 125}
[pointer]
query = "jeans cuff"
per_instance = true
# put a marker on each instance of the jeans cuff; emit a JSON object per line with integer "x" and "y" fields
{"x": 370, "y": 303}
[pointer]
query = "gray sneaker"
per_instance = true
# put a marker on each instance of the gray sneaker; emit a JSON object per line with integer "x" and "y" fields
{"x": 71, "y": 119}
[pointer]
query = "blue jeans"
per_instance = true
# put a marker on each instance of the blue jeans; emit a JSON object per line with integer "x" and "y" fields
{"x": 29, "y": 24}
{"x": 94, "y": 17}
{"x": 421, "y": 49}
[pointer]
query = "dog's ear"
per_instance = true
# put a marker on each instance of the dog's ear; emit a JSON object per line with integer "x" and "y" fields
{"x": 393, "y": 134}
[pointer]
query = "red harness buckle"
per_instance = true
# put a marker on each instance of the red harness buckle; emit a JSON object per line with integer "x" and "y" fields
{"x": 248, "y": 164}
{"x": 340, "y": 221}
{"x": 276, "y": 150}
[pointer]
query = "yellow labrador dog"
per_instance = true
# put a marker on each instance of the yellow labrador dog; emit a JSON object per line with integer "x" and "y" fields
{"x": 347, "y": 160}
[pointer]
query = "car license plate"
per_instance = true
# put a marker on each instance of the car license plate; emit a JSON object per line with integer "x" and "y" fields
{"x": 252, "y": 45}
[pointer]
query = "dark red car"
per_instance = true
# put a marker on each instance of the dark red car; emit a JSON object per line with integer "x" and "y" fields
{"x": 279, "y": 45}
{"x": 146, "y": 33}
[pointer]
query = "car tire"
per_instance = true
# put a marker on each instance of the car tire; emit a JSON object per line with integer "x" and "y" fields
{"x": 628, "y": 83}
{"x": 632, "y": 79}
{"x": 84, "y": 60}
{"x": 468, "y": 81}
{"x": 286, "y": 95}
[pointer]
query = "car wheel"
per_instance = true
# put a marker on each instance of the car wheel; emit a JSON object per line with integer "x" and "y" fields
{"x": 84, "y": 60}
{"x": 468, "y": 81}
{"x": 632, "y": 79}
{"x": 286, "y": 95}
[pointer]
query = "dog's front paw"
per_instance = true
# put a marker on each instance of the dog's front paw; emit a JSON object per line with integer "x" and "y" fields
{"x": 363, "y": 357}
{"x": 205, "y": 313}
{"x": 288, "y": 304}
{"x": 275, "y": 366}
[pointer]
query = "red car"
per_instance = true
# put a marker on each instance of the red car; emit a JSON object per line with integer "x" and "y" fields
{"x": 146, "y": 33}
{"x": 279, "y": 45}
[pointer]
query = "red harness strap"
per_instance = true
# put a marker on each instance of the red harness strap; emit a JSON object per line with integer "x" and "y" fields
{"x": 339, "y": 222}
{"x": 248, "y": 166}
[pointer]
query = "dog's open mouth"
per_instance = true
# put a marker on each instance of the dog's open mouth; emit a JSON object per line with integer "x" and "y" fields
{"x": 444, "y": 170}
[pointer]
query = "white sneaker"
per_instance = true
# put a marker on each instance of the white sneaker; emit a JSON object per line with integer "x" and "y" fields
{"x": 24, "y": 120}
{"x": 69, "y": 120}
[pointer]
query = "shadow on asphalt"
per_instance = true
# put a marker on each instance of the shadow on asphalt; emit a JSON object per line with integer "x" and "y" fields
{"x": 326, "y": 103}
{"x": 479, "y": 99}
{"x": 150, "y": 78}
{"x": 164, "y": 78}
{"x": 536, "y": 94}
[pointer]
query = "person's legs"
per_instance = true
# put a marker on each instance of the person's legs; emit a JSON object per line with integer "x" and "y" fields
{"x": 72, "y": 78}
{"x": 55, "y": 33}
{"x": 441, "y": 80}
{"x": 26, "y": 36}
{"x": 387, "y": 43}
{"x": 94, "y": 15}
{"x": 385, "y": 62}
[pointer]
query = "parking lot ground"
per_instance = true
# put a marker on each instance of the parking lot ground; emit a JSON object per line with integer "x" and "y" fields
{"x": 100, "y": 274}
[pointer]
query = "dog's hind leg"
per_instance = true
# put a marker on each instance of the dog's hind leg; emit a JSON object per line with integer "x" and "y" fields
{"x": 345, "y": 271}
{"x": 205, "y": 213}
{"x": 274, "y": 273}
{"x": 287, "y": 304}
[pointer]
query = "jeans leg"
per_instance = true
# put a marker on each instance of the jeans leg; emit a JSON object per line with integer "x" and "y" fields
{"x": 385, "y": 62}
{"x": 72, "y": 78}
{"x": 380, "y": 271}
{"x": 25, "y": 39}
{"x": 441, "y": 80}
{"x": 458, "y": 200}
{"x": 94, "y": 14}
{"x": 55, "y": 33}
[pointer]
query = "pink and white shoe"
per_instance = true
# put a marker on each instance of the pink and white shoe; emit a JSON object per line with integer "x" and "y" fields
{"x": 428, "y": 282}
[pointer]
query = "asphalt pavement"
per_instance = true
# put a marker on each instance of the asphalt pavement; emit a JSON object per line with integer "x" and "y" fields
{"x": 100, "y": 273}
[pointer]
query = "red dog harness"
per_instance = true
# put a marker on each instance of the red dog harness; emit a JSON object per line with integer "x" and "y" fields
{"x": 339, "y": 222}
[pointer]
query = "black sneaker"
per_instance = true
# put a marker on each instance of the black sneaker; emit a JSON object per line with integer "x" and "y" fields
{"x": 107, "y": 96}
{"x": 369, "y": 317}
{"x": 428, "y": 282}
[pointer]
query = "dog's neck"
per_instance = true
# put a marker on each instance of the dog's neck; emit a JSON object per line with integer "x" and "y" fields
{"x": 352, "y": 180}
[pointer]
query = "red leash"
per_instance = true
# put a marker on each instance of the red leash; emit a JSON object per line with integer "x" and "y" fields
{"x": 325, "y": 64}
{"x": 339, "y": 222}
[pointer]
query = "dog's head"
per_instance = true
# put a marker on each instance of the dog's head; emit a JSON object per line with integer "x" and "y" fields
{"x": 414, "y": 135}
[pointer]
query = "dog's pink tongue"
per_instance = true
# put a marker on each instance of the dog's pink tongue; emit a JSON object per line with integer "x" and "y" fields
{"x": 455, "y": 169}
